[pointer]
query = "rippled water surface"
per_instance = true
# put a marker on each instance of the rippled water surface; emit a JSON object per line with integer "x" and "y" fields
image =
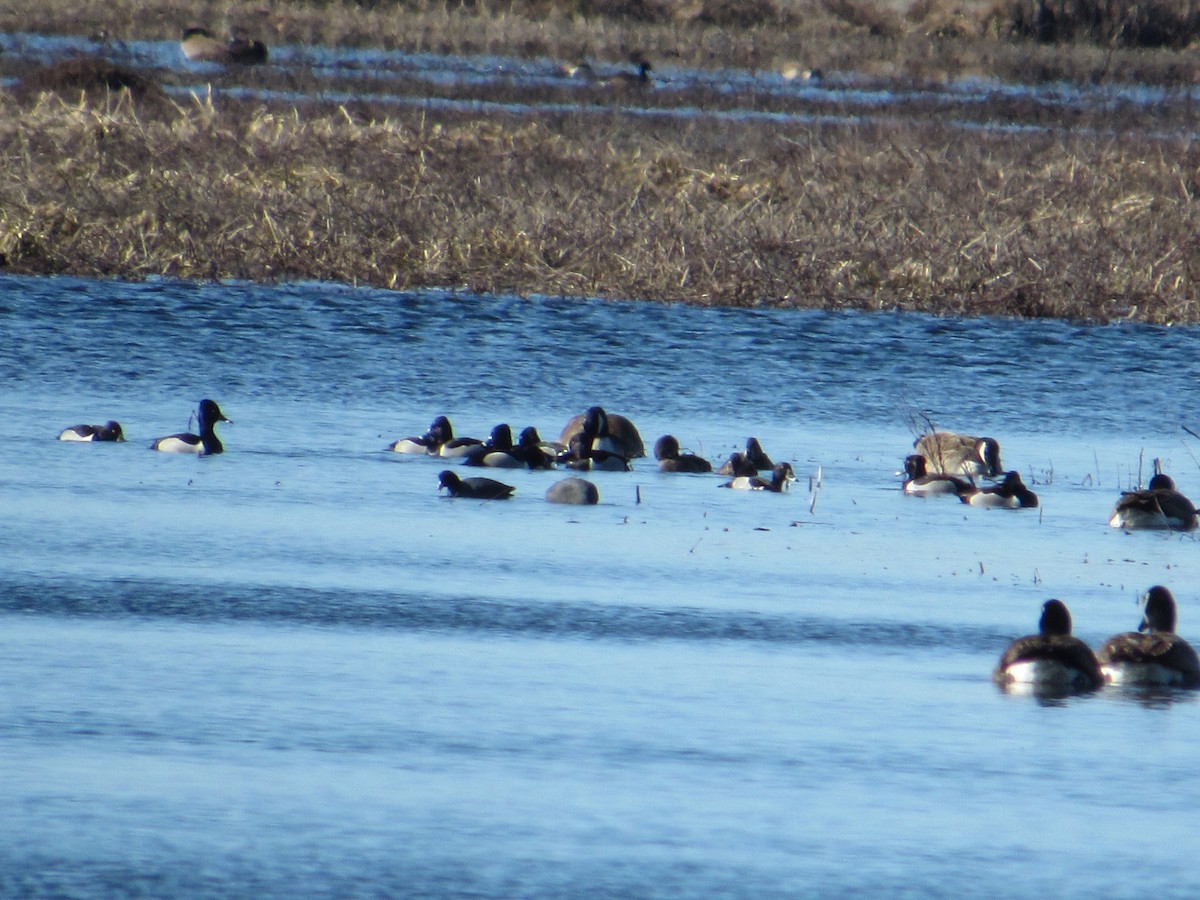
{"x": 295, "y": 669}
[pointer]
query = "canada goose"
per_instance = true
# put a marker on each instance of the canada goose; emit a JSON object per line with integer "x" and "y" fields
{"x": 608, "y": 431}
{"x": 666, "y": 451}
{"x": 1010, "y": 493}
{"x": 205, "y": 443}
{"x": 474, "y": 488}
{"x": 1158, "y": 506}
{"x": 109, "y": 431}
{"x": 947, "y": 453}
{"x": 1154, "y": 655}
{"x": 201, "y": 45}
{"x": 579, "y": 455}
{"x": 1052, "y": 658}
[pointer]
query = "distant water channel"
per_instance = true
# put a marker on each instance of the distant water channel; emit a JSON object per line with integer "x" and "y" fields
{"x": 295, "y": 669}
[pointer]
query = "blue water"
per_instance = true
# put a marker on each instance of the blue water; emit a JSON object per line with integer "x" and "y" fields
{"x": 295, "y": 669}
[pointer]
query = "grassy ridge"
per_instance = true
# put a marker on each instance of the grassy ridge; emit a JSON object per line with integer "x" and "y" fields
{"x": 908, "y": 213}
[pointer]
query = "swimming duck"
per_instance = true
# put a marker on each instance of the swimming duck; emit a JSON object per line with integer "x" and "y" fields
{"x": 666, "y": 451}
{"x": 1158, "y": 506}
{"x": 609, "y": 432}
{"x": 738, "y": 465}
{"x": 536, "y": 453}
{"x": 1154, "y": 654}
{"x": 1051, "y": 659}
{"x": 497, "y": 452}
{"x": 575, "y": 491}
{"x": 947, "y": 453}
{"x": 425, "y": 443}
{"x": 446, "y": 444}
{"x": 474, "y": 488}
{"x": 1010, "y": 493}
{"x": 919, "y": 482}
{"x": 201, "y": 45}
{"x": 781, "y": 476}
{"x": 109, "y": 431}
{"x": 205, "y": 443}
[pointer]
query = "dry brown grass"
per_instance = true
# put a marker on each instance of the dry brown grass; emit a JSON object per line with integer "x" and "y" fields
{"x": 908, "y": 216}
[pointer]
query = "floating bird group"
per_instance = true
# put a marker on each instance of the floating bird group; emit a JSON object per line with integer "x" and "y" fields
{"x": 206, "y": 443}
{"x": 1055, "y": 661}
{"x": 944, "y": 463}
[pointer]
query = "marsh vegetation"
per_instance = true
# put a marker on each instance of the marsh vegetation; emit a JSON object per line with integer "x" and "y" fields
{"x": 756, "y": 196}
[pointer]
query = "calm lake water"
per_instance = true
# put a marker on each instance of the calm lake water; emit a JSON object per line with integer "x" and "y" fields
{"x": 296, "y": 669}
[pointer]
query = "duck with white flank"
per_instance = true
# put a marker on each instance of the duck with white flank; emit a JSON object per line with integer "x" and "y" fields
{"x": 1158, "y": 506}
{"x": 781, "y": 477}
{"x": 109, "y": 431}
{"x": 1010, "y": 493}
{"x": 920, "y": 483}
{"x": 1154, "y": 655}
{"x": 961, "y": 455}
{"x": 670, "y": 459}
{"x": 1053, "y": 659}
{"x": 474, "y": 488}
{"x": 205, "y": 443}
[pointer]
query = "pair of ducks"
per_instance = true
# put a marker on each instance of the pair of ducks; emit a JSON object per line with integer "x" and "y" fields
{"x": 949, "y": 463}
{"x": 744, "y": 467}
{"x": 206, "y": 443}
{"x": 1055, "y": 660}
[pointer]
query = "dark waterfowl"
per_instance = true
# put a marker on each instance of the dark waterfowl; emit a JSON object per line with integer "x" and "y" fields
{"x": 205, "y": 443}
{"x": 575, "y": 491}
{"x": 738, "y": 466}
{"x": 920, "y": 483}
{"x": 1053, "y": 659}
{"x": 445, "y": 443}
{"x": 781, "y": 476}
{"x": 536, "y": 453}
{"x": 1159, "y": 506}
{"x": 474, "y": 488}
{"x": 201, "y": 45}
{"x": 1010, "y": 493}
{"x": 422, "y": 444}
{"x": 1154, "y": 655}
{"x": 109, "y": 431}
{"x": 497, "y": 452}
{"x": 608, "y": 432}
{"x": 960, "y": 455}
{"x": 670, "y": 459}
